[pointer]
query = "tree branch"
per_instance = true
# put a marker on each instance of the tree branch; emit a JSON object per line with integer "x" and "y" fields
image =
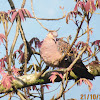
{"x": 31, "y": 79}
{"x": 24, "y": 40}
{"x": 23, "y": 3}
{"x": 38, "y": 20}
{"x": 11, "y": 4}
{"x": 13, "y": 45}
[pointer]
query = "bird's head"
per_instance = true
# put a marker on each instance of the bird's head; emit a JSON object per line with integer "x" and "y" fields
{"x": 52, "y": 35}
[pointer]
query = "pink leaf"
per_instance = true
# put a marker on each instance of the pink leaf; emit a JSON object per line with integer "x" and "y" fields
{"x": 2, "y": 37}
{"x": 15, "y": 70}
{"x": 23, "y": 10}
{"x": 79, "y": 4}
{"x": 87, "y": 82}
{"x": 13, "y": 16}
{"x": 61, "y": 76}
{"x": 93, "y": 5}
{"x": 80, "y": 81}
{"x": 54, "y": 76}
{"x": 82, "y": 4}
{"x": 76, "y": 7}
{"x": 6, "y": 80}
{"x": 11, "y": 11}
{"x": 28, "y": 13}
{"x": 1, "y": 70}
{"x": 21, "y": 14}
{"x": 98, "y": 3}
{"x": 87, "y": 6}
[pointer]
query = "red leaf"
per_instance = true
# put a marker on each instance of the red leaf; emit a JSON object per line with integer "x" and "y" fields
{"x": 39, "y": 44}
{"x": 13, "y": 16}
{"x": 47, "y": 86}
{"x": 36, "y": 41}
{"x": 97, "y": 42}
{"x": 21, "y": 46}
{"x": 34, "y": 87}
{"x": 80, "y": 44}
{"x": 21, "y": 56}
{"x": 21, "y": 14}
{"x": 2, "y": 62}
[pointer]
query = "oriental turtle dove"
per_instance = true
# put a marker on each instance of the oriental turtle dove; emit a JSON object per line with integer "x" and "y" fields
{"x": 52, "y": 51}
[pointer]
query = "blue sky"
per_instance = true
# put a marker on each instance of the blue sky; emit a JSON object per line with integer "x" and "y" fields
{"x": 50, "y": 9}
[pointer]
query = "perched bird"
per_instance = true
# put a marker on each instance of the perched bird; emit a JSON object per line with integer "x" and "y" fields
{"x": 49, "y": 50}
{"x": 52, "y": 51}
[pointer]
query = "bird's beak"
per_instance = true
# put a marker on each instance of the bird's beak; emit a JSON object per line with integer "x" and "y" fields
{"x": 54, "y": 39}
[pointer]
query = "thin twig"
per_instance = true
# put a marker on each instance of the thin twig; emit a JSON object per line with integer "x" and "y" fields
{"x": 62, "y": 86}
{"x": 20, "y": 95}
{"x": 10, "y": 29}
{"x": 49, "y": 19}
{"x": 4, "y": 95}
{"x": 38, "y": 20}
{"x": 24, "y": 40}
{"x": 93, "y": 55}
{"x": 11, "y": 4}
{"x": 49, "y": 91}
{"x": 35, "y": 56}
{"x": 72, "y": 86}
{"x": 23, "y": 3}
{"x": 85, "y": 32}
{"x": 13, "y": 45}
{"x": 78, "y": 30}
{"x": 69, "y": 68}
{"x": 42, "y": 92}
{"x": 88, "y": 35}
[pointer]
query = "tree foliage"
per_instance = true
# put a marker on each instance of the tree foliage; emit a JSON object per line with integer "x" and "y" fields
{"x": 16, "y": 79}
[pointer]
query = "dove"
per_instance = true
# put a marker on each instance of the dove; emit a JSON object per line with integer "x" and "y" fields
{"x": 52, "y": 51}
